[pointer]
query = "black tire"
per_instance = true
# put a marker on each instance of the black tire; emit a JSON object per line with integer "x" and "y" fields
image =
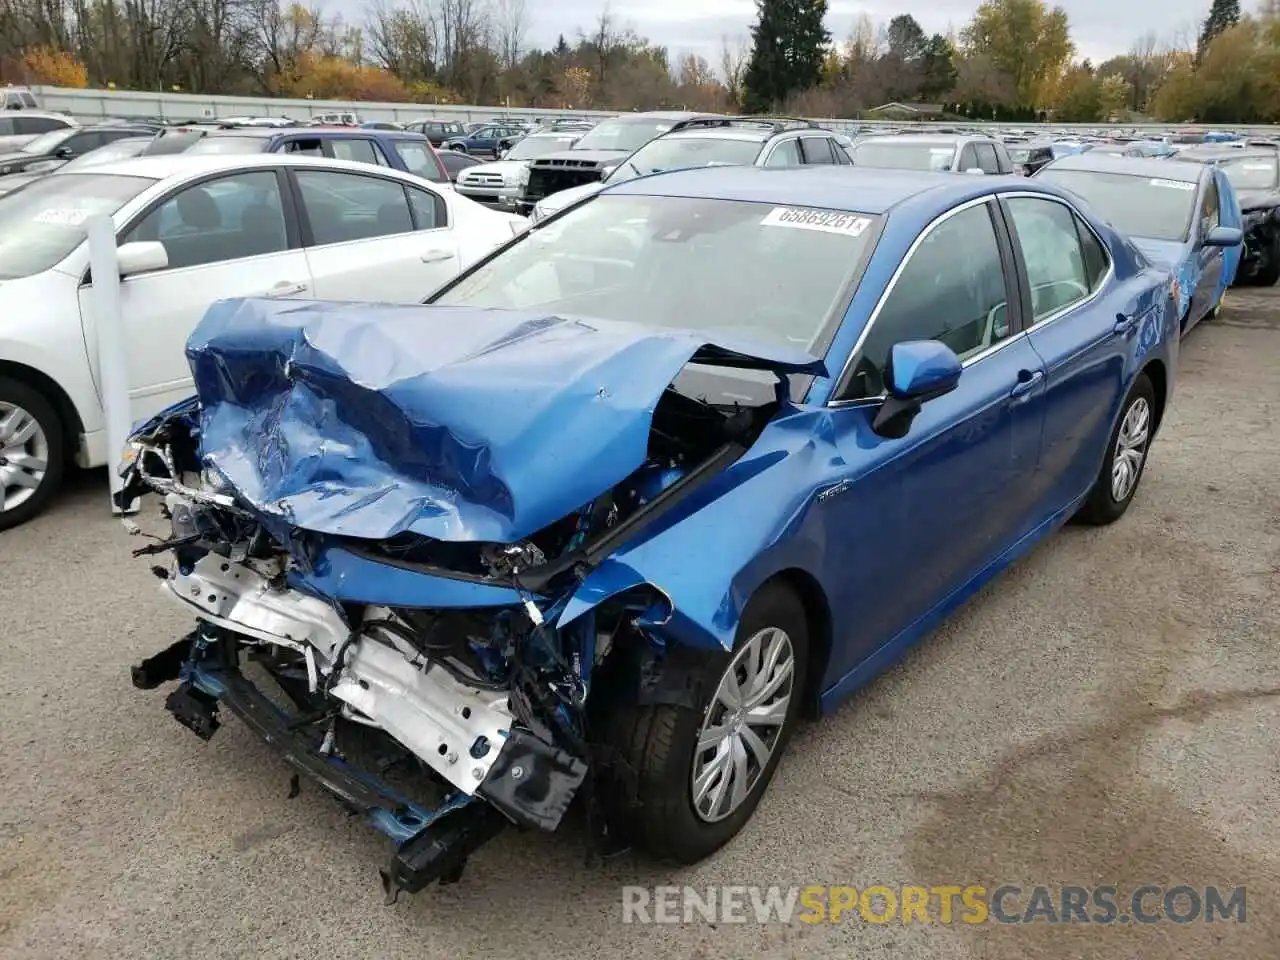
{"x": 1103, "y": 507}
{"x": 658, "y": 743}
{"x": 1268, "y": 274}
{"x": 459, "y": 148}
{"x": 18, "y": 394}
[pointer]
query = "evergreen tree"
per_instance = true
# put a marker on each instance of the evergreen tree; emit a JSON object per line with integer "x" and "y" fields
{"x": 1222, "y": 14}
{"x": 790, "y": 41}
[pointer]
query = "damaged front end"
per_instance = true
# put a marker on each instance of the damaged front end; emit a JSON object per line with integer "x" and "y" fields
{"x": 362, "y": 532}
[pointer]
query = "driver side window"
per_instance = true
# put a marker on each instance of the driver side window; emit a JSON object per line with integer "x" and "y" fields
{"x": 952, "y": 289}
{"x": 1056, "y": 270}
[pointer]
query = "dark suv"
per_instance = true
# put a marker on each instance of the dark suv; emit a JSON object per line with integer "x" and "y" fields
{"x": 398, "y": 149}
{"x": 600, "y": 150}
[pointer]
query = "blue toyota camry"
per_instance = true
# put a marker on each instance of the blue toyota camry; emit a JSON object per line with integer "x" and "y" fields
{"x": 603, "y": 519}
{"x": 1183, "y": 216}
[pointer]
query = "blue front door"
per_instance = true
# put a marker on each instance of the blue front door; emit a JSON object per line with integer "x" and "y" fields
{"x": 911, "y": 520}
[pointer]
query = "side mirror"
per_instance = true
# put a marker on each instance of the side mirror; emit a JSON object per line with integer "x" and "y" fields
{"x": 1224, "y": 237}
{"x": 141, "y": 256}
{"x": 64, "y": 153}
{"x": 918, "y": 371}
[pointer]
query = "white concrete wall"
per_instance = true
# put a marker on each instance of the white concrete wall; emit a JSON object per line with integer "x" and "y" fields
{"x": 89, "y": 105}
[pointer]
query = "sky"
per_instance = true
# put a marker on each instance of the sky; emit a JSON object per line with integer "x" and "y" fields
{"x": 1100, "y": 28}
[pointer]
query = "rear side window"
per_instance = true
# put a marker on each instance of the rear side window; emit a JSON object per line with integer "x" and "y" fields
{"x": 356, "y": 149}
{"x": 343, "y": 207}
{"x": 306, "y": 147}
{"x": 785, "y": 154}
{"x": 429, "y": 211}
{"x": 1095, "y": 257}
{"x": 8, "y": 126}
{"x": 1050, "y": 242}
{"x": 817, "y": 150}
{"x": 36, "y": 124}
{"x": 987, "y": 161}
{"x": 419, "y": 159}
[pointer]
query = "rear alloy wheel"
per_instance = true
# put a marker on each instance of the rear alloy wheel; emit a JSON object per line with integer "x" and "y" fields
{"x": 31, "y": 453}
{"x": 700, "y": 770}
{"x": 1117, "y": 482}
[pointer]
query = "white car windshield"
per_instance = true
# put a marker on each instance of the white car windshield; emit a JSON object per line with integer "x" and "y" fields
{"x": 120, "y": 150}
{"x": 1251, "y": 173}
{"x": 622, "y": 134}
{"x": 42, "y": 223}
{"x": 531, "y": 147}
{"x": 675, "y": 153}
{"x": 1152, "y": 207}
{"x": 904, "y": 156}
{"x": 48, "y": 142}
{"x": 773, "y": 273}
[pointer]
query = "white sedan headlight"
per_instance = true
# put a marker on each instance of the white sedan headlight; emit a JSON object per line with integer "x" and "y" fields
{"x": 522, "y": 176}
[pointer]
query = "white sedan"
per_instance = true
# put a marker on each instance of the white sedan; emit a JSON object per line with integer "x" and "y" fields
{"x": 192, "y": 230}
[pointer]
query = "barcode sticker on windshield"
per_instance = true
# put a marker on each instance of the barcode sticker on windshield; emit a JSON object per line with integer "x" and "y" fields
{"x": 63, "y": 216}
{"x": 828, "y": 221}
{"x": 1171, "y": 184}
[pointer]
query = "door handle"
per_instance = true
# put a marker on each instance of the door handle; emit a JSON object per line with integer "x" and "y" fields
{"x": 1125, "y": 323}
{"x": 286, "y": 288}
{"x": 1028, "y": 380}
{"x": 435, "y": 255}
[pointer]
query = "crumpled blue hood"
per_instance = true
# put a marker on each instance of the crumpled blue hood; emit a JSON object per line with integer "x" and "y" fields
{"x": 369, "y": 420}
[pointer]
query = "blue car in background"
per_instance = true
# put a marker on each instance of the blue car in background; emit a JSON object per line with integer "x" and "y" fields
{"x": 487, "y": 141}
{"x": 700, "y": 454}
{"x": 1181, "y": 215}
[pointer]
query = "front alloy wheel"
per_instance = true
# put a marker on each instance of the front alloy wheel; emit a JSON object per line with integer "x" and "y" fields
{"x": 693, "y": 771}
{"x": 743, "y": 724}
{"x": 30, "y": 452}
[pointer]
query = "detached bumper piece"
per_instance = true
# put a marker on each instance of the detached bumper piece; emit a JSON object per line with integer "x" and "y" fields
{"x": 530, "y": 782}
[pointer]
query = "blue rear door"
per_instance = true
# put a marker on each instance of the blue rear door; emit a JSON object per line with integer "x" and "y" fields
{"x": 1082, "y": 325}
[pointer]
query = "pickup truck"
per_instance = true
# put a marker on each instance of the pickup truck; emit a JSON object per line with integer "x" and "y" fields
{"x": 398, "y": 149}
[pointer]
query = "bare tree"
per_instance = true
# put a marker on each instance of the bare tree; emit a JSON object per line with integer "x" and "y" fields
{"x": 511, "y": 24}
{"x": 400, "y": 37}
{"x": 733, "y": 65}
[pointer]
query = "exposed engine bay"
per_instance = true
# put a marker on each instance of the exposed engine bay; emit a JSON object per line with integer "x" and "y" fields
{"x": 498, "y": 706}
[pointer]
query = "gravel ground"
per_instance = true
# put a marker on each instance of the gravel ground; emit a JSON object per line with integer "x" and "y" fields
{"x": 1104, "y": 713}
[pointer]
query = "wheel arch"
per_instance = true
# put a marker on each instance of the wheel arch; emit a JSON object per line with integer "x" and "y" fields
{"x": 72, "y": 424}
{"x": 818, "y": 620}
{"x": 1158, "y": 374}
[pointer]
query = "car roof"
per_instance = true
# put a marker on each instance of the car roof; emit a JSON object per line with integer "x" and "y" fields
{"x": 857, "y": 189}
{"x": 1155, "y": 167}
{"x": 760, "y": 135}
{"x": 164, "y": 166}
{"x": 665, "y": 115}
{"x": 267, "y": 133}
{"x": 947, "y": 139}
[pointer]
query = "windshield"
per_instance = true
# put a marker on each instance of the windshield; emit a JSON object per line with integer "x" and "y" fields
{"x": 1251, "y": 173}
{"x": 1150, "y": 207}
{"x": 120, "y": 150}
{"x": 625, "y": 135}
{"x": 531, "y": 147}
{"x": 48, "y": 142}
{"x": 231, "y": 145}
{"x": 676, "y": 153}
{"x": 42, "y": 223}
{"x": 768, "y": 272}
{"x": 905, "y": 156}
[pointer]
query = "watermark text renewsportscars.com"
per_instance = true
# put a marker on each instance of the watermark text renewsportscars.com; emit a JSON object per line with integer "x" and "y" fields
{"x": 937, "y": 904}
